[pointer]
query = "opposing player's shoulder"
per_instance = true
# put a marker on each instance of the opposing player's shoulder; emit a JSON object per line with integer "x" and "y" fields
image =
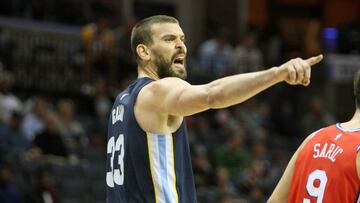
{"x": 312, "y": 135}
{"x": 326, "y": 131}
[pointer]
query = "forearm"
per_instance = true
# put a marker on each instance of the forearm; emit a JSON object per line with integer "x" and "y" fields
{"x": 274, "y": 200}
{"x": 235, "y": 89}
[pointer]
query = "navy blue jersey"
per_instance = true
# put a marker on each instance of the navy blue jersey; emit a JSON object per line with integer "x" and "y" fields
{"x": 143, "y": 167}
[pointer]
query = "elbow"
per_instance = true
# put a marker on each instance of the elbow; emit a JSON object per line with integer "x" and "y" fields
{"x": 214, "y": 98}
{"x": 210, "y": 101}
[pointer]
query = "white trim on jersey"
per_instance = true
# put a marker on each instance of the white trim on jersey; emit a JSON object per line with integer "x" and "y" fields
{"x": 161, "y": 155}
{"x": 338, "y": 125}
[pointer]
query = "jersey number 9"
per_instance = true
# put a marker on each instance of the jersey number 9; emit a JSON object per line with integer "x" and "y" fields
{"x": 318, "y": 190}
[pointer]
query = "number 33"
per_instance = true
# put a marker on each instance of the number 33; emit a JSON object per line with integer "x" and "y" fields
{"x": 116, "y": 175}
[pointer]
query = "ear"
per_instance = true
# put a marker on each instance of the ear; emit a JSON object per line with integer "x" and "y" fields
{"x": 143, "y": 52}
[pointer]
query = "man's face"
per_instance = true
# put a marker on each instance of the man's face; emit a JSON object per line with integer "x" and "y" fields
{"x": 168, "y": 51}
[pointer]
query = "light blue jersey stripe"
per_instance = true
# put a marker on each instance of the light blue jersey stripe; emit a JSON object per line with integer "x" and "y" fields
{"x": 161, "y": 154}
{"x": 163, "y": 167}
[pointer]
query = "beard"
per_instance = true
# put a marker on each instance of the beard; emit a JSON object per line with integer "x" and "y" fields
{"x": 165, "y": 69}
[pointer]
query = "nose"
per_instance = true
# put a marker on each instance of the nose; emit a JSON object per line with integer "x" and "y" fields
{"x": 181, "y": 46}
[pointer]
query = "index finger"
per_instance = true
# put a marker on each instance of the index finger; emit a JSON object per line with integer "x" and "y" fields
{"x": 314, "y": 60}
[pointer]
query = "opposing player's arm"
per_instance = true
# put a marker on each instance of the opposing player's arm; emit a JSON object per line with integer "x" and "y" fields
{"x": 358, "y": 163}
{"x": 174, "y": 96}
{"x": 282, "y": 189}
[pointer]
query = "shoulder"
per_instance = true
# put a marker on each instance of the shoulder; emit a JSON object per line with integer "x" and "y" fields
{"x": 319, "y": 134}
{"x": 156, "y": 92}
{"x": 312, "y": 135}
{"x": 165, "y": 84}
{"x": 310, "y": 138}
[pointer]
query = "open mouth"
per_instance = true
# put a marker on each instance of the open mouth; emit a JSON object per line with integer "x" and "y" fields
{"x": 179, "y": 61}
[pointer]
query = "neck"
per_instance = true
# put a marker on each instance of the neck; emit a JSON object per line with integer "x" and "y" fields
{"x": 354, "y": 122}
{"x": 147, "y": 71}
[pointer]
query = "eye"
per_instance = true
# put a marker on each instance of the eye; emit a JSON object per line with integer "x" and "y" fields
{"x": 169, "y": 39}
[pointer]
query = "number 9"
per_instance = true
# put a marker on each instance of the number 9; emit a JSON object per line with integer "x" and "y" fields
{"x": 313, "y": 191}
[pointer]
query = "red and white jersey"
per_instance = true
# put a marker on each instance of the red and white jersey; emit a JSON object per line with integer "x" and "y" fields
{"x": 325, "y": 169}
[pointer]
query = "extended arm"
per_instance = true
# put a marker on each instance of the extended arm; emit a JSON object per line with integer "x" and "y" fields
{"x": 358, "y": 164}
{"x": 174, "y": 96}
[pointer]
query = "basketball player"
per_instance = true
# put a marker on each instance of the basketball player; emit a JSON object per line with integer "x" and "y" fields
{"x": 326, "y": 167}
{"x": 148, "y": 157}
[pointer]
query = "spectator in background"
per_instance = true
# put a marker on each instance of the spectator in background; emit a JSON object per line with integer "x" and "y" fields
{"x": 274, "y": 46}
{"x": 215, "y": 54}
{"x": 255, "y": 117}
{"x": 225, "y": 121}
{"x": 257, "y": 195}
{"x": 102, "y": 103}
{"x": 98, "y": 42}
{"x": 50, "y": 142}
{"x": 34, "y": 121}
{"x": 224, "y": 186}
{"x": 230, "y": 199}
{"x": 126, "y": 60}
{"x": 13, "y": 142}
{"x": 314, "y": 44}
{"x": 203, "y": 170}
{"x": 247, "y": 55}
{"x": 8, "y": 101}
{"x": 36, "y": 110}
{"x": 96, "y": 148}
{"x": 70, "y": 129}
{"x": 8, "y": 191}
{"x": 43, "y": 191}
{"x": 316, "y": 117}
{"x": 278, "y": 165}
{"x": 97, "y": 141}
{"x": 253, "y": 179}
{"x": 233, "y": 156}
{"x": 202, "y": 133}
{"x": 312, "y": 38}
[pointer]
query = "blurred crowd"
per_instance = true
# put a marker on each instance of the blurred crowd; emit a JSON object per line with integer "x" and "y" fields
{"x": 53, "y": 147}
{"x": 45, "y": 147}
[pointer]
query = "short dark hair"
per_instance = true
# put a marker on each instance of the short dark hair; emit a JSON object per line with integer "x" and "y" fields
{"x": 141, "y": 32}
{"x": 357, "y": 89}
